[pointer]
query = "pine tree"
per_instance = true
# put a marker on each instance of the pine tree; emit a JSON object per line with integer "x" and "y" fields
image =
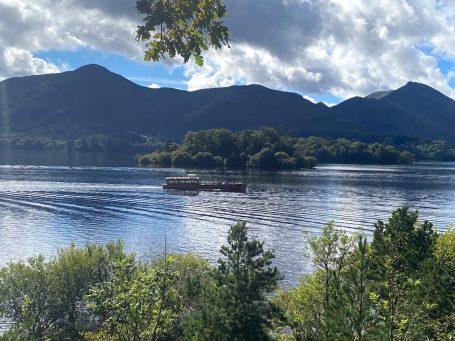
{"x": 351, "y": 312}
{"x": 400, "y": 250}
{"x": 237, "y": 306}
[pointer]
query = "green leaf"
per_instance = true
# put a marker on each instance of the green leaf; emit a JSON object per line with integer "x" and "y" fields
{"x": 199, "y": 60}
{"x": 184, "y": 28}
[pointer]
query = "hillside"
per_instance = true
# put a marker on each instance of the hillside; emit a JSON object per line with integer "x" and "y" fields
{"x": 414, "y": 110}
{"x": 93, "y": 100}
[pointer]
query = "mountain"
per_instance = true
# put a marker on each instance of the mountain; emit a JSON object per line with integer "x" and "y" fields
{"x": 92, "y": 100}
{"x": 414, "y": 110}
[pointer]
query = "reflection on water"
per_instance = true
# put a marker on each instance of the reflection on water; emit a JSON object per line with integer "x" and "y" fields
{"x": 43, "y": 208}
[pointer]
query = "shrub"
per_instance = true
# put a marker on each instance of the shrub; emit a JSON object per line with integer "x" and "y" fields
{"x": 203, "y": 160}
{"x": 181, "y": 159}
{"x": 265, "y": 159}
{"x": 310, "y": 162}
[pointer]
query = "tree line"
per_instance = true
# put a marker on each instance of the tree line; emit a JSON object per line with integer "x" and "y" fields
{"x": 430, "y": 150}
{"x": 267, "y": 148}
{"x": 400, "y": 285}
{"x": 220, "y": 147}
{"x": 49, "y": 140}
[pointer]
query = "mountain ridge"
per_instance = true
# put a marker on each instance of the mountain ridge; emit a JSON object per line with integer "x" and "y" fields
{"x": 92, "y": 99}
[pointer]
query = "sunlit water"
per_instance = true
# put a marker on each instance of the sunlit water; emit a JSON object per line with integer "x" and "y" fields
{"x": 43, "y": 208}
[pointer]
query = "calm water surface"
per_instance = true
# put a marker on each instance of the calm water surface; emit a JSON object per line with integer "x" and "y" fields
{"x": 43, "y": 208}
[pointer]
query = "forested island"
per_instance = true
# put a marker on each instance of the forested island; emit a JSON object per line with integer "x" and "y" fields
{"x": 400, "y": 285}
{"x": 267, "y": 148}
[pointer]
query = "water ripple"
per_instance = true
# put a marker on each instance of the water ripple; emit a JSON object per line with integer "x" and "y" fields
{"x": 44, "y": 208}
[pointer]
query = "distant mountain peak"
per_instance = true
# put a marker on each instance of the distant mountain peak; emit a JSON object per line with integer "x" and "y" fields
{"x": 416, "y": 85}
{"x": 419, "y": 91}
{"x": 412, "y": 83}
{"x": 94, "y": 73}
{"x": 91, "y": 68}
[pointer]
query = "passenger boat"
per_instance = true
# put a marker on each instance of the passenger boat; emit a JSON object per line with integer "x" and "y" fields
{"x": 193, "y": 183}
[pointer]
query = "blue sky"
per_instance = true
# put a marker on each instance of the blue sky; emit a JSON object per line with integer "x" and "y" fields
{"x": 444, "y": 63}
{"x": 139, "y": 72}
{"x": 325, "y": 50}
{"x": 142, "y": 73}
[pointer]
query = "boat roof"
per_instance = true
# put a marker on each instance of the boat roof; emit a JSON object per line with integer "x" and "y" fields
{"x": 182, "y": 178}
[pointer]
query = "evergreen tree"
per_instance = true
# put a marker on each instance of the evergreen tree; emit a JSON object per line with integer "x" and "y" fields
{"x": 400, "y": 250}
{"x": 351, "y": 311}
{"x": 330, "y": 257}
{"x": 237, "y": 306}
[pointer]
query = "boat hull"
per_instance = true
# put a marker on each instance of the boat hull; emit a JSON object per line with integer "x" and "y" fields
{"x": 214, "y": 187}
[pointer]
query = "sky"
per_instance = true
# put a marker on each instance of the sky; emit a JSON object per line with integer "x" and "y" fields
{"x": 326, "y": 50}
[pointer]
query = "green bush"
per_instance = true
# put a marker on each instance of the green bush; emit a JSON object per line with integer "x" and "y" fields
{"x": 407, "y": 158}
{"x": 265, "y": 159}
{"x": 47, "y": 299}
{"x": 203, "y": 160}
{"x": 181, "y": 159}
{"x": 158, "y": 158}
{"x": 309, "y": 162}
{"x": 146, "y": 159}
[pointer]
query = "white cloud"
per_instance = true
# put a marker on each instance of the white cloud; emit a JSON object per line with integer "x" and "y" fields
{"x": 242, "y": 63}
{"x": 340, "y": 47}
{"x": 337, "y": 47}
{"x": 31, "y": 26}
{"x": 15, "y": 59}
{"x": 154, "y": 86}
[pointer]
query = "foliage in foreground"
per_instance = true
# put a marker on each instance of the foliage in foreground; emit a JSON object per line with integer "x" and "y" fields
{"x": 236, "y": 305}
{"x": 400, "y": 285}
{"x": 101, "y": 293}
{"x": 185, "y": 28}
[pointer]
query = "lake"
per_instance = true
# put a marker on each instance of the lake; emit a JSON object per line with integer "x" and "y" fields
{"x": 46, "y": 207}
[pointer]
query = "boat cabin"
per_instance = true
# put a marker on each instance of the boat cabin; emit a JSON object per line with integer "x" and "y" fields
{"x": 191, "y": 179}
{"x": 193, "y": 183}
